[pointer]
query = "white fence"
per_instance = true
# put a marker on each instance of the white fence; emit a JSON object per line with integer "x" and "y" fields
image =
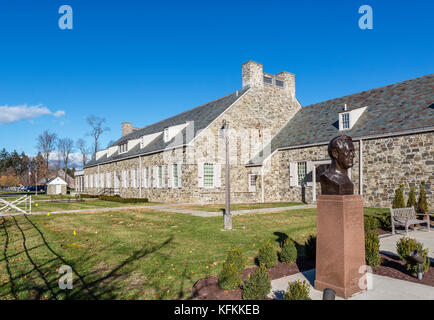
{"x": 9, "y": 205}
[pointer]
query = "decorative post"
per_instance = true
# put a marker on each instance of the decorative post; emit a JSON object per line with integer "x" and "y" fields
{"x": 228, "y": 215}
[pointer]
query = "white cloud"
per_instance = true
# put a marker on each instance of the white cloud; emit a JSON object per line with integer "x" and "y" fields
{"x": 10, "y": 114}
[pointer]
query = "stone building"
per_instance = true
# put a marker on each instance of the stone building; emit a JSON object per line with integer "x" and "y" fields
{"x": 277, "y": 149}
{"x": 56, "y": 186}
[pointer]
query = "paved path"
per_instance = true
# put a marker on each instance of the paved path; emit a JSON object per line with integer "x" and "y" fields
{"x": 170, "y": 208}
{"x": 388, "y": 241}
{"x": 380, "y": 288}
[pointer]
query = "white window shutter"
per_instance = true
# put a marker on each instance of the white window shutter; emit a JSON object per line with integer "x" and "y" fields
{"x": 155, "y": 176}
{"x": 169, "y": 175}
{"x": 217, "y": 175}
{"x": 163, "y": 176}
{"x": 293, "y": 174}
{"x": 309, "y": 168}
{"x": 179, "y": 174}
{"x": 200, "y": 174}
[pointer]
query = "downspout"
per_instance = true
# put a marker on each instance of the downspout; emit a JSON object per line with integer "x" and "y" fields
{"x": 140, "y": 176}
{"x": 361, "y": 167}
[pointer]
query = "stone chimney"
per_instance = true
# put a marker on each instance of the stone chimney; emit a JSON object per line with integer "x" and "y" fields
{"x": 127, "y": 128}
{"x": 288, "y": 82}
{"x": 253, "y": 75}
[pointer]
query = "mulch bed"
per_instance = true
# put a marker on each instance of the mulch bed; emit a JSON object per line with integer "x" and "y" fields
{"x": 391, "y": 266}
{"x": 208, "y": 288}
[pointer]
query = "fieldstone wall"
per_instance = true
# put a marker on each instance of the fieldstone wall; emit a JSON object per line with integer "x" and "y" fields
{"x": 387, "y": 163}
{"x": 252, "y": 120}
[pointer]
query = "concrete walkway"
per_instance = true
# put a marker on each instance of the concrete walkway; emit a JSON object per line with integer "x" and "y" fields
{"x": 169, "y": 208}
{"x": 421, "y": 234}
{"x": 379, "y": 288}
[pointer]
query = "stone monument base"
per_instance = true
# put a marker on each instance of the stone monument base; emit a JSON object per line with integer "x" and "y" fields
{"x": 340, "y": 244}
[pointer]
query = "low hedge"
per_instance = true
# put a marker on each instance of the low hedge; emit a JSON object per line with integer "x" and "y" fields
{"x": 123, "y": 200}
{"x": 85, "y": 195}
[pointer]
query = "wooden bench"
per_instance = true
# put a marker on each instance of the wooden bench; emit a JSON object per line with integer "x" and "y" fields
{"x": 406, "y": 217}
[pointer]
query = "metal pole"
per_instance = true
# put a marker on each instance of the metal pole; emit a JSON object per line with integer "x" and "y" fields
{"x": 228, "y": 215}
{"x": 36, "y": 181}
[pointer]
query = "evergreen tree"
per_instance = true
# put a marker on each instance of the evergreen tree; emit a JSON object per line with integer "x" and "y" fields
{"x": 398, "y": 201}
{"x": 411, "y": 202}
{"x": 422, "y": 205}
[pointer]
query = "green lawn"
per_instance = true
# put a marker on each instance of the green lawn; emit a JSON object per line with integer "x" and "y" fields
{"x": 241, "y": 206}
{"x": 135, "y": 254}
{"x": 90, "y": 204}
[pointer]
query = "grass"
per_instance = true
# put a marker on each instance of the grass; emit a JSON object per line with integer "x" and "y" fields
{"x": 135, "y": 254}
{"x": 241, "y": 206}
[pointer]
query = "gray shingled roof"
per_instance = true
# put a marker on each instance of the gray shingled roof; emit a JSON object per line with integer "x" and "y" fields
{"x": 202, "y": 117}
{"x": 403, "y": 106}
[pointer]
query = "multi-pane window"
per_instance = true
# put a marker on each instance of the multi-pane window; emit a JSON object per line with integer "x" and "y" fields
{"x": 280, "y": 83}
{"x": 301, "y": 168}
{"x": 252, "y": 182}
{"x": 345, "y": 121}
{"x": 166, "y": 134}
{"x": 147, "y": 179}
{"x": 268, "y": 80}
{"x": 109, "y": 180}
{"x": 160, "y": 176}
{"x": 133, "y": 178}
{"x": 175, "y": 176}
{"x": 123, "y": 148}
{"x": 208, "y": 175}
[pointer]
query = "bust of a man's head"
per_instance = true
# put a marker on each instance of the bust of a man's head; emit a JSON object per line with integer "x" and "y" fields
{"x": 335, "y": 179}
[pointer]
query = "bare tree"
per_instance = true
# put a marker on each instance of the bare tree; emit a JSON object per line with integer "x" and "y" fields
{"x": 82, "y": 147}
{"x": 65, "y": 147}
{"x": 46, "y": 143}
{"x": 97, "y": 129}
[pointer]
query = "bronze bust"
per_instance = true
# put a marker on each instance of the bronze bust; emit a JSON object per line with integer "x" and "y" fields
{"x": 335, "y": 179}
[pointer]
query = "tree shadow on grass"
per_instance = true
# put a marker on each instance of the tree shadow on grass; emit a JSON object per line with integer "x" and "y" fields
{"x": 91, "y": 285}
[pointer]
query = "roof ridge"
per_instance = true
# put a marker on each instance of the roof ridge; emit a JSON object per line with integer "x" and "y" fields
{"x": 369, "y": 90}
{"x": 186, "y": 111}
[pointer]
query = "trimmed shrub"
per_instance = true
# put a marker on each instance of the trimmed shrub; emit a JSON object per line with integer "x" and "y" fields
{"x": 122, "y": 200}
{"x": 288, "y": 254}
{"x": 398, "y": 200}
{"x": 235, "y": 256}
{"x": 371, "y": 223}
{"x": 422, "y": 205}
{"x": 405, "y": 246}
{"x": 267, "y": 255}
{"x": 257, "y": 285}
{"x": 310, "y": 247}
{"x": 230, "y": 276}
{"x": 411, "y": 202}
{"x": 385, "y": 221}
{"x": 372, "y": 248}
{"x": 298, "y": 290}
{"x": 85, "y": 195}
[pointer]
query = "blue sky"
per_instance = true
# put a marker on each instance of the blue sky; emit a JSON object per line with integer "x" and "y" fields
{"x": 143, "y": 61}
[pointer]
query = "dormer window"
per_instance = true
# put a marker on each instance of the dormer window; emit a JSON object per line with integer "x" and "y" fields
{"x": 166, "y": 134}
{"x": 123, "y": 148}
{"x": 348, "y": 118}
{"x": 345, "y": 119}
